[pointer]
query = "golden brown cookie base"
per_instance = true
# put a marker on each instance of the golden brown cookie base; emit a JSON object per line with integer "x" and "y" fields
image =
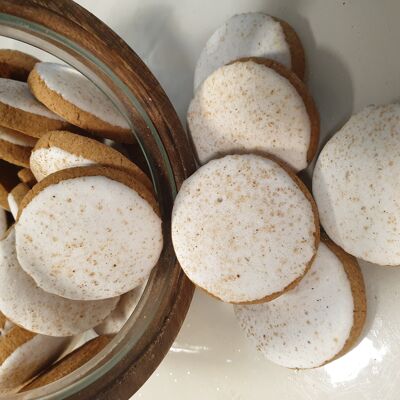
{"x": 25, "y": 176}
{"x": 71, "y": 113}
{"x": 19, "y": 192}
{"x": 13, "y": 339}
{"x": 16, "y": 65}
{"x": 15, "y": 154}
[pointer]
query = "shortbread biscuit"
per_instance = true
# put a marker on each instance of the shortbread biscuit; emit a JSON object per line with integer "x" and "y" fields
{"x": 244, "y": 228}
{"x": 318, "y": 321}
{"x": 356, "y": 187}
{"x": 251, "y": 35}
{"x": 16, "y": 196}
{"x": 254, "y": 106}
{"x": 25, "y": 176}
{"x": 89, "y": 233}
{"x": 20, "y": 111}
{"x": 8, "y": 180}
{"x": 60, "y": 150}
{"x": 15, "y": 64}
{"x": 71, "y": 95}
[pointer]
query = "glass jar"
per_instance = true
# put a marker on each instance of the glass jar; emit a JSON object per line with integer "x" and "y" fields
{"x": 72, "y": 34}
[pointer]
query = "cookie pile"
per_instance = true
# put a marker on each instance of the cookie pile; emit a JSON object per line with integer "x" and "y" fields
{"x": 245, "y": 228}
{"x": 80, "y": 227}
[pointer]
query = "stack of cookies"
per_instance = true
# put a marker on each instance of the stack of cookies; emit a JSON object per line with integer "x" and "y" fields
{"x": 245, "y": 228}
{"x": 80, "y": 227}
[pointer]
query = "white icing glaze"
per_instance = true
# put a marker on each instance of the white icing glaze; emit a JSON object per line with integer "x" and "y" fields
{"x": 17, "y": 95}
{"x": 308, "y": 325}
{"x": 12, "y": 204}
{"x": 74, "y": 87}
{"x": 88, "y": 238}
{"x": 3, "y": 222}
{"x": 35, "y": 310}
{"x": 356, "y": 186}
{"x": 242, "y": 229}
{"x": 243, "y": 35}
{"x": 27, "y": 360}
{"x": 17, "y": 138}
{"x": 249, "y": 107}
{"x": 124, "y": 309}
{"x": 46, "y": 161}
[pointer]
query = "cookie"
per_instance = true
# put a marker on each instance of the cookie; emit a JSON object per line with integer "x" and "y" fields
{"x": 3, "y": 222}
{"x": 15, "y": 147}
{"x": 23, "y": 354}
{"x": 20, "y": 111}
{"x": 318, "y": 321}
{"x": 251, "y": 35}
{"x": 16, "y": 196}
{"x": 89, "y": 233}
{"x": 25, "y": 176}
{"x": 8, "y": 180}
{"x": 60, "y": 150}
{"x": 244, "y": 228}
{"x": 124, "y": 309}
{"x": 69, "y": 363}
{"x": 355, "y": 184}
{"x": 71, "y": 95}
{"x": 254, "y": 106}
{"x": 30, "y": 307}
{"x": 15, "y": 64}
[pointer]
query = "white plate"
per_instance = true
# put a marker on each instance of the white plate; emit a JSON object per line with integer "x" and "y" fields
{"x": 352, "y": 61}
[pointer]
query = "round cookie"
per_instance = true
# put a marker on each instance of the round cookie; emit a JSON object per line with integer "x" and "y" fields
{"x": 23, "y": 354}
{"x": 244, "y": 228}
{"x": 69, "y": 363}
{"x": 8, "y": 180}
{"x": 89, "y": 233}
{"x": 71, "y": 95}
{"x": 20, "y": 111}
{"x": 254, "y": 106}
{"x": 15, "y": 147}
{"x": 251, "y": 35}
{"x": 60, "y": 150}
{"x": 124, "y": 309}
{"x": 3, "y": 222}
{"x": 15, "y": 64}
{"x": 25, "y": 176}
{"x": 318, "y": 321}
{"x": 355, "y": 184}
{"x": 15, "y": 198}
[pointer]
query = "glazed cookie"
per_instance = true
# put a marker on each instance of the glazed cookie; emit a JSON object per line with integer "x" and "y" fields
{"x": 89, "y": 233}
{"x": 251, "y": 35}
{"x": 25, "y": 176}
{"x": 254, "y": 105}
{"x": 8, "y": 180}
{"x": 71, "y": 95}
{"x": 69, "y": 363}
{"x": 355, "y": 185}
{"x": 244, "y": 228}
{"x": 15, "y": 147}
{"x": 3, "y": 222}
{"x": 20, "y": 111}
{"x": 318, "y": 321}
{"x": 23, "y": 354}
{"x": 124, "y": 309}
{"x": 15, "y": 64}
{"x": 60, "y": 150}
{"x": 32, "y": 308}
{"x": 16, "y": 196}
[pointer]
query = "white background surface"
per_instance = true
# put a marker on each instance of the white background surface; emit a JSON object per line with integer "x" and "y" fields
{"x": 352, "y": 60}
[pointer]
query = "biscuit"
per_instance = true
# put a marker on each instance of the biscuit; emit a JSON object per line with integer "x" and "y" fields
{"x": 20, "y": 111}
{"x": 16, "y": 196}
{"x": 89, "y": 233}
{"x": 69, "y": 363}
{"x": 355, "y": 184}
{"x": 15, "y": 64}
{"x": 244, "y": 228}
{"x": 251, "y": 35}
{"x": 3, "y": 222}
{"x": 8, "y": 180}
{"x": 71, "y": 95}
{"x": 30, "y": 307}
{"x": 15, "y": 147}
{"x": 254, "y": 106}
{"x": 124, "y": 309}
{"x": 23, "y": 354}
{"x": 60, "y": 150}
{"x": 25, "y": 176}
{"x": 318, "y": 321}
